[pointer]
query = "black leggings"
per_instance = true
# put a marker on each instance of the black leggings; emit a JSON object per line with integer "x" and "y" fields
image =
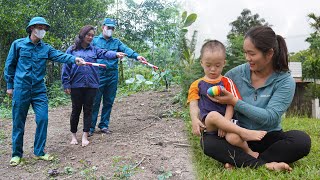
{"x": 82, "y": 97}
{"x": 276, "y": 146}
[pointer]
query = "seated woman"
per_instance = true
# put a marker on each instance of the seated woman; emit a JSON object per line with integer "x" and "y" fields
{"x": 267, "y": 89}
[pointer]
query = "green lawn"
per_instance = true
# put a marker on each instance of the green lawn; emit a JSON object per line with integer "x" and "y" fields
{"x": 306, "y": 168}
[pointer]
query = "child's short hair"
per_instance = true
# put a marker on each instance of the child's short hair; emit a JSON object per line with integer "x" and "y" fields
{"x": 212, "y": 45}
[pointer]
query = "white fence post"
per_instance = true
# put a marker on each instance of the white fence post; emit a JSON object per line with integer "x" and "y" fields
{"x": 316, "y": 108}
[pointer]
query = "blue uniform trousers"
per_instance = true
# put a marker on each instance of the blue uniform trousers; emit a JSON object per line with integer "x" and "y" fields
{"x": 22, "y": 98}
{"x": 107, "y": 93}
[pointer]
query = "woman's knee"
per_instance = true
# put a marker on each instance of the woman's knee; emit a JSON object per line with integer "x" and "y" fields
{"x": 300, "y": 140}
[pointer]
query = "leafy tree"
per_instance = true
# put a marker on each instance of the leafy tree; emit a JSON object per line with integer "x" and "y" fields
{"x": 245, "y": 22}
{"x": 316, "y": 21}
{"x": 152, "y": 27}
{"x": 300, "y": 56}
{"x": 312, "y": 63}
{"x": 311, "y": 58}
{"x": 14, "y": 15}
{"x": 234, "y": 51}
{"x": 187, "y": 47}
{"x": 189, "y": 68}
{"x": 149, "y": 28}
{"x": 66, "y": 17}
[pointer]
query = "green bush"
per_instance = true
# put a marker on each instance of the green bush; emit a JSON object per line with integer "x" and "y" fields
{"x": 312, "y": 91}
{"x": 56, "y": 95}
{"x": 132, "y": 68}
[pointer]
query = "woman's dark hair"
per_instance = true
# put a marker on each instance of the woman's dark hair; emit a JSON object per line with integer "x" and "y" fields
{"x": 212, "y": 45}
{"x": 264, "y": 39}
{"x": 82, "y": 34}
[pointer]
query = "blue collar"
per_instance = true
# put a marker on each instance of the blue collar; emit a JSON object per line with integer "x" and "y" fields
{"x": 28, "y": 40}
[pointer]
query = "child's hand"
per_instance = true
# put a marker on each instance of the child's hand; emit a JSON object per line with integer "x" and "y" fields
{"x": 221, "y": 133}
{"x": 67, "y": 91}
{"x": 197, "y": 127}
{"x": 9, "y": 92}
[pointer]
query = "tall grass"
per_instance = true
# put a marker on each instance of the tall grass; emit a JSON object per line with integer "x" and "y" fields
{"x": 306, "y": 168}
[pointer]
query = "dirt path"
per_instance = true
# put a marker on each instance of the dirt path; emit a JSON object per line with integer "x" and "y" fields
{"x": 147, "y": 143}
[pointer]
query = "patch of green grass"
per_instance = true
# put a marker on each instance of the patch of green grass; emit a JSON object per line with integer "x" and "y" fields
{"x": 306, "y": 168}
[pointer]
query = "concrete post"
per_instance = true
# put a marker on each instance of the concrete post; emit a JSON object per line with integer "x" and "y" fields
{"x": 316, "y": 108}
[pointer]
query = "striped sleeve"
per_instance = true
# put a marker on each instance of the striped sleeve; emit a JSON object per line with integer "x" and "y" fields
{"x": 231, "y": 87}
{"x": 193, "y": 93}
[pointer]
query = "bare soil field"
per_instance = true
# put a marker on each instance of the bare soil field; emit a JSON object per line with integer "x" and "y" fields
{"x": 147, "y": 142}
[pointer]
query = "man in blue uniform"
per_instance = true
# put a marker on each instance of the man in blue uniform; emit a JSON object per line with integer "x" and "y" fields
{"x": 24, "y": 73}
{"x": 108, "y": 76}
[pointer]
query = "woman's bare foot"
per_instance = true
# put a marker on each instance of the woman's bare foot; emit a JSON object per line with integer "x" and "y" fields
{"x": 253, "y": 154}
{"x": 74, "y": 139}
{"x": 252, "y": 135}
{"x": 228, "y": 166}
{"x": 281, "y": 166}
{"x": 85, "y": 141}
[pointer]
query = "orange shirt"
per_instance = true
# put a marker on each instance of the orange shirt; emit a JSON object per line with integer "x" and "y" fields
{"x": 198, "y": 91}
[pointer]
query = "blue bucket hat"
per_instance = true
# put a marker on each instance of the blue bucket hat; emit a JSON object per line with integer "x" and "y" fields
{"x": 109, "y": 22}
{"x": 37, "y": 20}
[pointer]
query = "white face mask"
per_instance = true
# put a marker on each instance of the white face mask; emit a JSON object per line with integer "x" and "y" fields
{"x": 107, "y": 32}
{"x": 40, "y": 33}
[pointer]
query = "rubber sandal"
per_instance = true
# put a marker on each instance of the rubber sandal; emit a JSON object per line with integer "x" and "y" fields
{"x": 15, "y": 161}
{"x": 90, "y": 134}
{"x": 106, "y": 131}
{"x": 45, "y": 157}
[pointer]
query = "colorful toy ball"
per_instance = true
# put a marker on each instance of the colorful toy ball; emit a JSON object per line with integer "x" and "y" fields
{"x": 215, "y": 91}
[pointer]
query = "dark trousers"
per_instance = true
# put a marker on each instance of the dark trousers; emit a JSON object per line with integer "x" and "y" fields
{"x": 82, "y": 98}
{"x": 276, "y": 146}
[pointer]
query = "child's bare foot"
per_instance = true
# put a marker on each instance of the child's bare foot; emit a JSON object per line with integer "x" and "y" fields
{"x": 281, "y": 166}
{"x": 228, "y": 166}
{"x": 74, "y": 139}
{"x": 253, "y": 154}
{"x": 252, "y": 135}
{"x": 85, "y": 141}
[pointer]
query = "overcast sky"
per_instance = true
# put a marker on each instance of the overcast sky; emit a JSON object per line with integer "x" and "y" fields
{"x": 288, "y": 17}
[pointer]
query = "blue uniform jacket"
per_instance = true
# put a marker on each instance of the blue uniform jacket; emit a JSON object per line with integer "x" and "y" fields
{"x": 262, "y": 108}
{"x": 25, "y": 66}
{"x": 74, "y": 76}
{"x": 113, "y": 44}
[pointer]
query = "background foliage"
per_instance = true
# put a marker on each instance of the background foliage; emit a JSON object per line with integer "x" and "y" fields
{"x": 155, "y": 29}
{"x": 66, "y": 17}
{"x": 150, "y": 28}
